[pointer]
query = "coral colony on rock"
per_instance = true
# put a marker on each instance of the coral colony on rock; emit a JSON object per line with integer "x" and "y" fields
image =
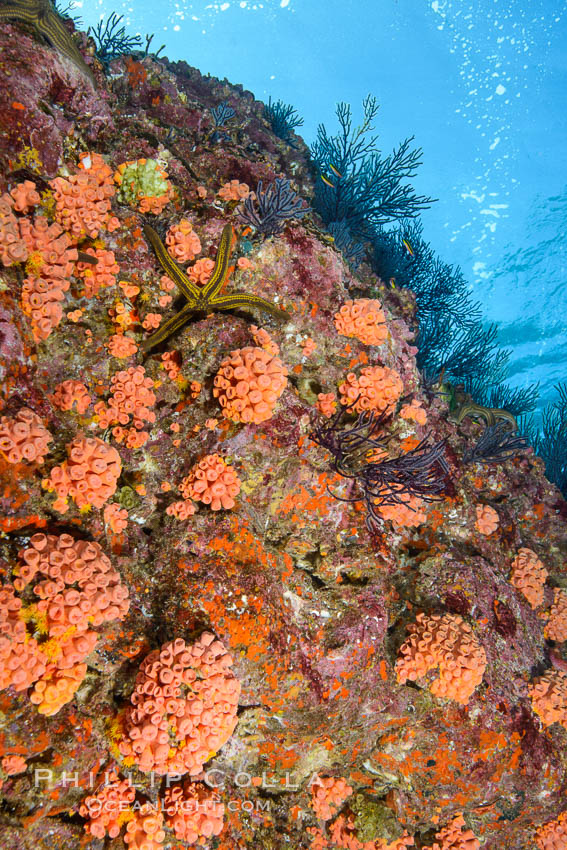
{"x": 278, "y": 568}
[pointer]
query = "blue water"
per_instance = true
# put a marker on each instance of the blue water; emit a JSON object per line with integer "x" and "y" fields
{"x": 482, "y": 86}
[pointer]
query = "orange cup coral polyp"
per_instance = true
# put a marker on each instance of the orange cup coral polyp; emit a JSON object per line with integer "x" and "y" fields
{"x": 249, "y": 383}
{"x": 363, "y": 319}
{"x": 213, "y": 482}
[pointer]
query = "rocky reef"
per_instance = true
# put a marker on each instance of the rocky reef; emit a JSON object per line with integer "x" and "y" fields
{"x": 230, "y": 615}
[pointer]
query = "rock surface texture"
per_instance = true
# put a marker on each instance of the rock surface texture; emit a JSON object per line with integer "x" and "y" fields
{"x": 317, "y": 676}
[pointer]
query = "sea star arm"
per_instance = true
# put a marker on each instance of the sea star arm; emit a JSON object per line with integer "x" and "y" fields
{"x": 168, "y": 328}
{"x": 168, "y": 264}
{"x": 234, "y": 302}
{"x": 221, "y": 268}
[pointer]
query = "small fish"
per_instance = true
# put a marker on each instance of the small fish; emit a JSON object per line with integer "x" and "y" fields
{"x": 327, "y": 182}
{"x": 392, "y": 282}
{"x": 408, "y": 247}
{"x": 17, "y": 105}
{"x": 335, "y": 171}
{"x": 83, "y": 257}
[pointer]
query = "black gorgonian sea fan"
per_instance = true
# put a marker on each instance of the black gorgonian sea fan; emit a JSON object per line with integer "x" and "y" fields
{"x": 111, "y": 40}
{"x": 495, "y": 445}
{"x": 272, "y": 207}
{"x": 283, "y": 118}
{"x": 221, "y": 114}
{"x": 419, "y": 473}
{"x": 354, "y": 252}
{"x": 360, "y": 185}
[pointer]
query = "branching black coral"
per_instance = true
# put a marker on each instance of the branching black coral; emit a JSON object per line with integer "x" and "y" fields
{"x": 67, "y": 12}
{"x": 419, "y": 473}
{"x": 350, "y": 447}
{"x": 354, "y": 252}
{"x": 221, "y": 114}
{"x": 273, "y": 207}
{"x": 550, "y": 441}
{"x": 283, "y": 118}
{"x": 111, "y": 39}
{"x": 517, "y": 400}
{"x": 361, "y": 186}
{"x": 495, "y": 445}
{"x": 465, "y": 355}
{"x": 440, "y": 288}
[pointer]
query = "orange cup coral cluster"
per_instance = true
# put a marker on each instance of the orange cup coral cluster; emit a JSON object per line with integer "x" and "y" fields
{"x": 181, "y": 510}
{"x": 183, "y": 708}
{"x": 105, "y": 811}
{"x": 103, "y": 274}
{"x": 12, "y": 246}
{"x": 553, "y": 835}
{"x": 263, "y": 340}
{"x": 213, "y": 482}
{"x": 145, "y": 831}
{"x": 24, "y": 196}
{"x": 364, "y": 320}
{"x": 88, "y": 476}
{"x": 328, "y": 795}
{"x": 414, "y": 412}
{"x": 248, "y": 384}
{"x": 486, "y": 519}
{"x": 76, "y": 588}
{"x": 121, "y": 346}
{"x": 12, "y": 765}
{"x": 116, "y": 518}
{"x": 171, "y": 362}
{"x": 130, "y": 403}
{"x": 24, "y": 437}
{"x": 193, "y": 812}
{"x": 50, "y": 261}
{"x": 548, "y": 694}
{"x": 455, "y": 836}
{"x": 83, "y": 199}
{"x": 70, "y": 393}
{"x": 556, "y": 626}
{"x": 182, "y": 242}
{"x": 233, "y": 191}
{"x": 378, "y": 388}
{"x": 326, "y": 404}
{"x": 529, "y": 575}
{"x": 446, "y": 642}
{"x": 200, "y": 272}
